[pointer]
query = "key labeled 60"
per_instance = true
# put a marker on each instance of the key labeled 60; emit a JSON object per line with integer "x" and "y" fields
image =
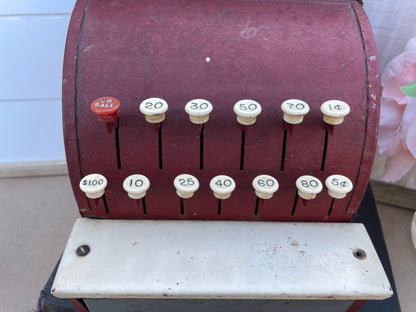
{"x": 265, "y": 186}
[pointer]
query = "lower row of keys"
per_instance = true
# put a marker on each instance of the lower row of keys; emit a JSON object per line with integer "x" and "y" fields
{"x": 222, "y": 186}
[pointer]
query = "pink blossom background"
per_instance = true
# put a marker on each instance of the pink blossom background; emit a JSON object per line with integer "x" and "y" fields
{"x": 397, "y": 131}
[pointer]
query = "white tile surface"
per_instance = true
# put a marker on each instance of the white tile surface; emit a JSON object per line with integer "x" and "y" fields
{"x": 34, "y": 227}
{"x": 31, "y": 56}
{"x": 31, "y": 130}
{"x": 9, "y": 7}
{"x": 394, "y": 23}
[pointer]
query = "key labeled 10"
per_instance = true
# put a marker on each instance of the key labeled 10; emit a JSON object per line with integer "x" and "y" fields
{"x": 136, "y": 186}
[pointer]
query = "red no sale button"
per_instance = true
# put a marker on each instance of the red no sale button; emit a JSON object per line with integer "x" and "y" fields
{"x": 106, "y": 108}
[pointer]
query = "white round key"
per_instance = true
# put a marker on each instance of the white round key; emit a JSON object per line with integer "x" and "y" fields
{"x": 93, "y": 185}
{"x": 294, "y": 111}
{"x": 222, "y": 186}
{"x": 136, "y": 186}
{"x": 334, "y": 111}
{"x": 186, "y": 185}
{"x": 154, "y": 109}
{"x": 338, "y": 186}
{"x": 308, "y": 186}
{"x": 247, "y": 111}
{"x": 265, "y": 186}
{"x": 198, "y": 110}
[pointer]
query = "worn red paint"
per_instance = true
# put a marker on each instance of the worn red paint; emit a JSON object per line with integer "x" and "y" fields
{"x": 268, "y": 51}
{"x": 356, "y": 306}
{"x": 79, "y": 307}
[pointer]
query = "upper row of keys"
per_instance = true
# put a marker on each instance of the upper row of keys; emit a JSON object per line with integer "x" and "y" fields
{"x": 154, "y": 109}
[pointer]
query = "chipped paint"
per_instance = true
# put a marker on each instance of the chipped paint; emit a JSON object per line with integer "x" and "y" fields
{"x": 88, "y": 49}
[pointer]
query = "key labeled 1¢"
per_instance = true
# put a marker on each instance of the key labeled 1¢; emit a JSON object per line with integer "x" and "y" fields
{"x": 334, "y": 111}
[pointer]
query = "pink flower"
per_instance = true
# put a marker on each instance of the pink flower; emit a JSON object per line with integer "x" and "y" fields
{"x": 397, "y": 131}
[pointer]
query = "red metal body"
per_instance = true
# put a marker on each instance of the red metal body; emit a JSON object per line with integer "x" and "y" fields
{"x": 222, "y": 51}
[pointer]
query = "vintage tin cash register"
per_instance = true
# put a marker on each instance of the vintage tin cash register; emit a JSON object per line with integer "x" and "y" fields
{"x": 218, "y": 151}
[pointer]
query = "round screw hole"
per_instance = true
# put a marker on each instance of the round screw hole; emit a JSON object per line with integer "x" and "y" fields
{"x": 359, "y": 254}
{"x": 83, "y": 250}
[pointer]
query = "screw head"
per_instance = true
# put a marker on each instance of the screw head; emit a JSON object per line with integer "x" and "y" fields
{"x": 359, "y": 254}
{"x": 83, "y": 250}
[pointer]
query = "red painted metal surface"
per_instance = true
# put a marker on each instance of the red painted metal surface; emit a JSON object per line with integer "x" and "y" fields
{"x": 356, "y": 306}
{"x": 78, "y": 306}
{"x": 222, "y": 51}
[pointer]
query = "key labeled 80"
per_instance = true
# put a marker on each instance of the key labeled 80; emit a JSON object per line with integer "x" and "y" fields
{"x": 310, "y": 183}
{"x": 308, "y": 186}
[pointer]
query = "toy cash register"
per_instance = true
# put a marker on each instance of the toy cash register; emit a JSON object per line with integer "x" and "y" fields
{"x": 218, "y": 151}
